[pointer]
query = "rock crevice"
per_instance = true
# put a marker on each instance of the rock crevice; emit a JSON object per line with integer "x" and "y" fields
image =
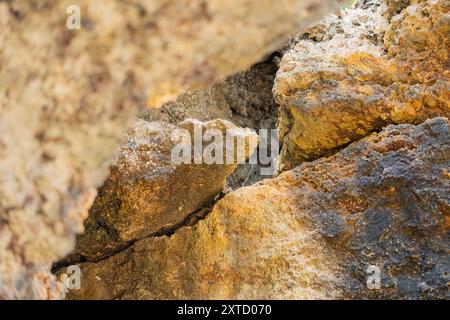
{"x": 310, "y": 233}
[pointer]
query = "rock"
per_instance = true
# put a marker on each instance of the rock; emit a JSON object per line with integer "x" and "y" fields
{"x": 317, "y": 231}
{"x": 67, "y": 96}
{"x": 245, "y": 99}
{"x": 147, "y": 193}
{"x": 378, "y": 64}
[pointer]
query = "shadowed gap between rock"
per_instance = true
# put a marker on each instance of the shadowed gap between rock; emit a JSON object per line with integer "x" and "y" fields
{"x": 189, "y": 221}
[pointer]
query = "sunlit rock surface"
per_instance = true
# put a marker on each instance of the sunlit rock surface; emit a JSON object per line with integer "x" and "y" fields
{"x": 67, "y": 97}
{"x": 148, "y": 193}
{"x": 385, "y": 62}
{"x": 311, "y": 233}
{"x": 244, "y": 98}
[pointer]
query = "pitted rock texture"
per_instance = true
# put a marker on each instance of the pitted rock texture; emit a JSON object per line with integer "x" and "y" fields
{"x": 67, "y": 97}
{"x": 147, "y": 193}
{"x": 245, "y": 99}
{"x": 310, "y": 233}
{"x": 383, "y": 62}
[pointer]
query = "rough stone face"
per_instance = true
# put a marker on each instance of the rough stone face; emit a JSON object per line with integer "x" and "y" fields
{"x": 146, "y": 193}
{"x": 245, "y": 99}
{"x": 310, "y": 233}
{"x": 67, "y": 96}
{"x": 378, "y": 64}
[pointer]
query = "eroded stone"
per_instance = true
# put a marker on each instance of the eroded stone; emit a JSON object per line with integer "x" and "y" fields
{"x": 147, "y": 193}
{"x": 383, "y": 62}
{"x": 311, "y": 233}
{"x": 67, "y": 97}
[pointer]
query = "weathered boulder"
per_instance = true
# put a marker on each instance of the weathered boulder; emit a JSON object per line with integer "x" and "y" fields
{"x": 384, "y": 62}
{"x": 67, "y": 96}
{"x": 245, "y": 99}
{"x": 313, "y": 232}
{"x": 148, "y": 193}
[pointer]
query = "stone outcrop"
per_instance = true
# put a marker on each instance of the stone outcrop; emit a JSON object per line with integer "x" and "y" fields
{"x": 67, "y": 96}
{"x": 384, "y": 62}
{"x": 147, "y": 193}
{"x": 359, "y": 210}
{"x": 310, "y": 233}
{"x": 245, "y": 99}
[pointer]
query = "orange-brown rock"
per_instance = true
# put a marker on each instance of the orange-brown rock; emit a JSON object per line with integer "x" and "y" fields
{"x": 385, "y": 62}
{"x": 313, "y": 232}
{"x": 67, "y": 96}
{"x": 147, "y": 193}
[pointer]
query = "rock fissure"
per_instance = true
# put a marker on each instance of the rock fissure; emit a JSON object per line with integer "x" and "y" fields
{"x": 61, "y": 122}
{"x": 189, "y": 221}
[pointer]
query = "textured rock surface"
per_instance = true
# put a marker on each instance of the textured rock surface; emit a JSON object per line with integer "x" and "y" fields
{"x": 354, "y": 74}
{"x": 310, "y": 233}
{"x": 67, "y": 96}
{"x": 144, "y": 192}
{"x": 147, "y": 193}
{"x": 245, "y": 99}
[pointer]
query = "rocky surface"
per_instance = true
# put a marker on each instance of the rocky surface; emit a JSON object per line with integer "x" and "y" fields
{"x": 147, "y": 193}
{"x": 245, "y": 99}
{"x": 310, "y": 233}
{"x": 366, "y": 176}
{"x": 384, "y": 62}
{"x": 67, "y": 96}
